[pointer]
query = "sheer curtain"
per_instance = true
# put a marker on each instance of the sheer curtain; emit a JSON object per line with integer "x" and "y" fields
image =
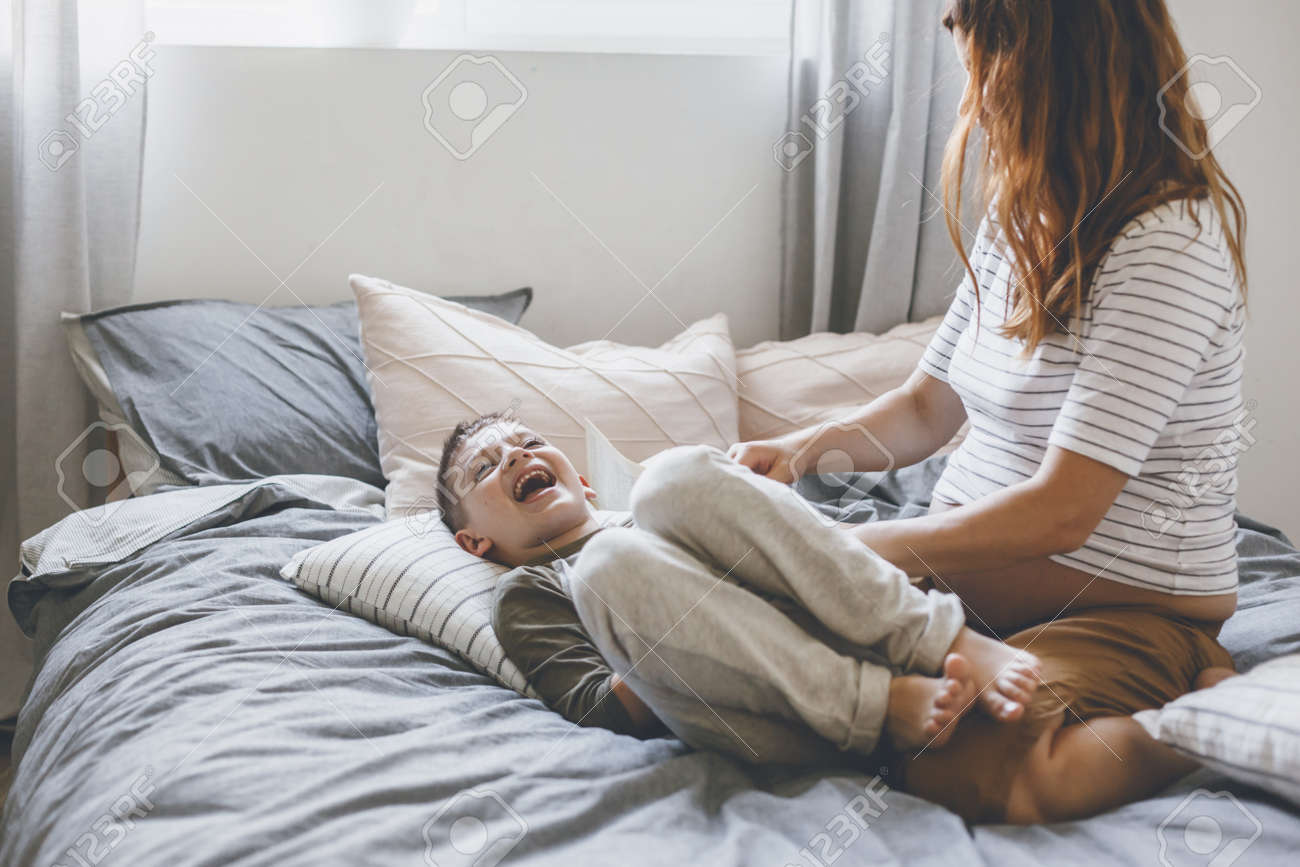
{"x": 874, "y": 87}
{"x": 72, "y": 109}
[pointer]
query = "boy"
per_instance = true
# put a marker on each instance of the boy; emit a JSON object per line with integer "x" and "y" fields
{"x": 722, "y": 608}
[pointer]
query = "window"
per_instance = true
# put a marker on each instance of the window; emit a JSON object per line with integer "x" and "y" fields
{"x": 633, "y": 26}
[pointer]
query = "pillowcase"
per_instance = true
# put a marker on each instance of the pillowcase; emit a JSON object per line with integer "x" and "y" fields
{"x": 409, "y": 576}
{"x": 792, "y": 384}
{"x": 217, "y": 391}
{"x": 433, "y": 363}
{"x": 1246, "y": 727}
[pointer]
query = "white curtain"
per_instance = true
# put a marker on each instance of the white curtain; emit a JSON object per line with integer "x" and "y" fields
{"x": 873, "y": 90}
{"x": 72, "y": 109}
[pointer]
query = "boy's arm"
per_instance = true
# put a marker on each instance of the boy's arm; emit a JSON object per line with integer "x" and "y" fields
{"x": 643, "y": 718}
{"x": 540, "y": 630}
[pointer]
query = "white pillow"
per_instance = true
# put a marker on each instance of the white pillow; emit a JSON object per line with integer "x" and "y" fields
{"x": 433, "y": 363}
{"x": 1246, "y": 727}
{"x": 792, "y": 384}
{"x": 409, "y": 576}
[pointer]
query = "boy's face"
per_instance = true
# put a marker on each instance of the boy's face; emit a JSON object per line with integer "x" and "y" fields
{"x": 520, "y": 493}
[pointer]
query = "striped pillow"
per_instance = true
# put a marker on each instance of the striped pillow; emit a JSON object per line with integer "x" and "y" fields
{"x": 1244, "y": 727}
{"x": 409, "y": 576}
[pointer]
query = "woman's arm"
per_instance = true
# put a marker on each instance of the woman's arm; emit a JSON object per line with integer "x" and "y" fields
{"x": 902, "y": 426}
{"x": 1052, "y": 512}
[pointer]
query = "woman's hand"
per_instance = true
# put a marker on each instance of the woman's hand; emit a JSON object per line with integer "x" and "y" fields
{"x": 902, "y": 426}
{"x": 771, "y": 458}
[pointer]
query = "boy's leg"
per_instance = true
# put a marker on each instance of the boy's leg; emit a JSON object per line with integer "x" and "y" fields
{"x": 749, "y": 737}
{"x": 709, "y": 657}
{"x": 759, "y": 529}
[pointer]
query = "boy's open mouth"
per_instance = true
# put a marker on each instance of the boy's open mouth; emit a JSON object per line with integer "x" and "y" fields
{"x": 531, "y": 484}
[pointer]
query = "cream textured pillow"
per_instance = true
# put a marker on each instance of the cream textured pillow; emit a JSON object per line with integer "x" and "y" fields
{"x": 791, "y": 384}
{"x": 433, "y": 363}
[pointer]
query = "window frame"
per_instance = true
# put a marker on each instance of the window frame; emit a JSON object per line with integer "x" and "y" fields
{"x": 581, "y": 26}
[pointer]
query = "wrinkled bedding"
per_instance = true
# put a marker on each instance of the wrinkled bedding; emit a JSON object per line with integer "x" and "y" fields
{"x": 191, "y": 708}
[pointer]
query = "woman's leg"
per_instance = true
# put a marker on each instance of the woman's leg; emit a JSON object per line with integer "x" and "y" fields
{"x": 1210, "y": 676}
{"x": 762, "y": 533}
{"x": 1056, "y": 773}
{"x": 1098, "y": 666}
{"x": 1081, "y": 770}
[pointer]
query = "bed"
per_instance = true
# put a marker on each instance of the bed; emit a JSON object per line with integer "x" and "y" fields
{"x": 223, "y": 717}
{"x": 191, "y": 707}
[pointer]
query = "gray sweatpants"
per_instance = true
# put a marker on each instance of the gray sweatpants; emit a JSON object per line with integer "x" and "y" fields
{"x": 748, "y": 624}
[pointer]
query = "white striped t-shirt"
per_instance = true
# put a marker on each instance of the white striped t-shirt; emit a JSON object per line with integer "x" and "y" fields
{"x": 1147, "y": 381}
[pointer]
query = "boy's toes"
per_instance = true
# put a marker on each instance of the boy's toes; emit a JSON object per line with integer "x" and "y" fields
{"x": 999, "y": 705}
{"x": 948, "y": 696}
{"x": 1016, "y": 687}
{"x": 1026, "y": 681}
{"x": 936, "y": 731}
{"x": 955, "y": 698}
{"x": 1026, "y": 663}
{"x": 945, "y": 720}
{"x": 957, "y": 669}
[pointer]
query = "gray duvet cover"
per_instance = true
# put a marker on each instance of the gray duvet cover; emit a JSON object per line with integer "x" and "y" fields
{"x": 190, "y": 708}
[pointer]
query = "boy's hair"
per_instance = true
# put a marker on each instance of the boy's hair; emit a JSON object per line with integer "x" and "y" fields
{"x": 449, "y": 496}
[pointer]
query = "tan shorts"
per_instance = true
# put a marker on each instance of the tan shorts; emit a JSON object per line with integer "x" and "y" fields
{"x": 1099, "y": 662}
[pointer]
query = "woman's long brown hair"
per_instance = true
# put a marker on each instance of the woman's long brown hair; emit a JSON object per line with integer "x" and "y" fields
{"x": 1068, "y": 96}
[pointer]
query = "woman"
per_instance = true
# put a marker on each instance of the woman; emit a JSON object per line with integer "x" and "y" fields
{"x": 1096, "y": 349}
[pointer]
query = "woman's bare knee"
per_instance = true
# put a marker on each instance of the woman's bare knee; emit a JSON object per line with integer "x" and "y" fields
{"x": 1212, "y": 676}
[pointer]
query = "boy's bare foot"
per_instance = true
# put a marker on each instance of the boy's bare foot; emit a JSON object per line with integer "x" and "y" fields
{"x": 923, "y": 711}
{"x": 1005, "y": 676}
{"x": 1210, "y": 676}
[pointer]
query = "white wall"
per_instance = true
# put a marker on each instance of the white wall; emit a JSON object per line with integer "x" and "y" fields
{"x": 1260, "y": 157}
{"x": 649, "y": 151}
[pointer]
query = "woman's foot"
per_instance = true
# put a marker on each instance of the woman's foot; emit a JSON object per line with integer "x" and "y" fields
{"x": 1005, "y": 676}
{"x": 923, "y": 711}
{"x": 1210, "y": 676}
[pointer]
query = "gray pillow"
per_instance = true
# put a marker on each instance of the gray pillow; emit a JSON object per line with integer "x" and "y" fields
{"x": 206, "y": 392}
